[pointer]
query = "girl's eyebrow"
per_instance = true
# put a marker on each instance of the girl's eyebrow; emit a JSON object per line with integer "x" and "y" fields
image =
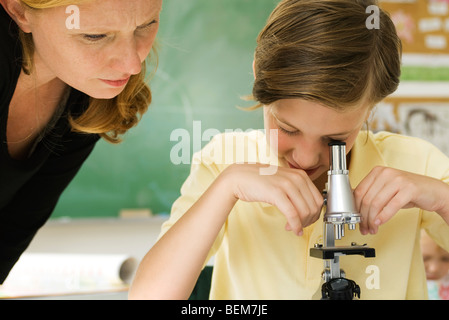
{"x": 292, "y": 126}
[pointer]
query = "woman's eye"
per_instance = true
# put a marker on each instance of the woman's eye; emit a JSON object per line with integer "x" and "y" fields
{"x": 147, "y": 25}
{"x": 94, "y": 37}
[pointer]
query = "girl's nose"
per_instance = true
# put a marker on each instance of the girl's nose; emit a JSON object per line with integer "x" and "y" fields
{"x": 307, "y": 155}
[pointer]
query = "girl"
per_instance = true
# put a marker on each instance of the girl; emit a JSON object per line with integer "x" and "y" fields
{"x": 319, "y": 71}
{"x": 71, "y": 72}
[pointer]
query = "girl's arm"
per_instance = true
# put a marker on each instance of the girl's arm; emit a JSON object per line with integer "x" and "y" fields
{"x": 171, "y": 268}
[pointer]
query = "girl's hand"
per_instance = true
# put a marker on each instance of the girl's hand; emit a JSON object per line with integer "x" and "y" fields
{"x": 290, "y": 190}
{"x": 384, "y": 191}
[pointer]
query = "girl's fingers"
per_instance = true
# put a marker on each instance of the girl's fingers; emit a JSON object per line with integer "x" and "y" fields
{"x": 367, "y": 202}
{"x": 290, "y": 190}
{"x": 383, "y": 193}
{"x": 285, "y": 205}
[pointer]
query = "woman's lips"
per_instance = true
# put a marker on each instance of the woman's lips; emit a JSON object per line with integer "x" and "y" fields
{"x": 116, "y": 83}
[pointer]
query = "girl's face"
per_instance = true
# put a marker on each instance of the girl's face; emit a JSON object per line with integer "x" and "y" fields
{"x": 99, "y": 55}
{"x": 304, "y": 130}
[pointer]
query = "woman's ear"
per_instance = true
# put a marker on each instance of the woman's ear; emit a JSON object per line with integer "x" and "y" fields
{"x": 17, "y": 12}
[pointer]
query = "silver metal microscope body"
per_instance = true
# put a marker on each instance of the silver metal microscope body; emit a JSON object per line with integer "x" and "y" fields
{"x": 339, "y": 210}
{"x": 339, "y": 206}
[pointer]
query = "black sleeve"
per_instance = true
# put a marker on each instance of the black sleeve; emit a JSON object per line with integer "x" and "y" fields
{"x": 33, "y": 204}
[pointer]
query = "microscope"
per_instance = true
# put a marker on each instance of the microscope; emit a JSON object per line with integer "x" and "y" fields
{"x": 339, "y": 211}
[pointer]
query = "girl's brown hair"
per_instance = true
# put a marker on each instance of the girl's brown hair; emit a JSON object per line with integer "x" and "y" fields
{"x": 323, "y": 51}
{"x": 110, "y": 118}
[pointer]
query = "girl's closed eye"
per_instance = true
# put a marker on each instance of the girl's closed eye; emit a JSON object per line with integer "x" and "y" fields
{"x": 288, "y": 132}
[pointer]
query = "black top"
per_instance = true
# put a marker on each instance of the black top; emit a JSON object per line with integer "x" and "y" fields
{"x": 30, "y": 189}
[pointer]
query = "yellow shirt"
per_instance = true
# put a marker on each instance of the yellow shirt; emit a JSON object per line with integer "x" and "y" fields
{"x": 255, "y": 258}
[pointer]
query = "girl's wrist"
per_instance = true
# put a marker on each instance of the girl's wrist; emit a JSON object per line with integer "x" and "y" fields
{"x": 226, "y": 182}
{"x": 443, "y": 211}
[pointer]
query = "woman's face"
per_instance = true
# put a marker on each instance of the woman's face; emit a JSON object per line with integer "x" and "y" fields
{"x": 304, "y": 130}
{"x": 99, "y": 55}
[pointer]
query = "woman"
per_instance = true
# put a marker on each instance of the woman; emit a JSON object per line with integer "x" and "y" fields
{"x": 71, "y": 72}
{"x": 318, "y": 73}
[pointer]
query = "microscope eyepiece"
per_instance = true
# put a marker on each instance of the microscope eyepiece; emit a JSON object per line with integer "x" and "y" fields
{"x": 337, "y": 158}
{"x": 336, "y": 143}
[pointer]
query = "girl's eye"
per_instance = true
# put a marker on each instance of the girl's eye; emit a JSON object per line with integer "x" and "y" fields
{"x": 94, "y": 37}
{"x": 289, "y": 133}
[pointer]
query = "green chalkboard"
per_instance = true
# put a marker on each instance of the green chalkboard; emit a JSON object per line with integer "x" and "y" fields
{"x": 205, "y": 56}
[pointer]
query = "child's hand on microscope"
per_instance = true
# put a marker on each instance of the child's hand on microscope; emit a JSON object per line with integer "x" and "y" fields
{"x": 290, "y": 190}
{"x": 384, "y": 191}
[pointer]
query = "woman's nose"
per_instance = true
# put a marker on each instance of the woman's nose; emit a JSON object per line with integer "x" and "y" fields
{"x": 126, "y": 58}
